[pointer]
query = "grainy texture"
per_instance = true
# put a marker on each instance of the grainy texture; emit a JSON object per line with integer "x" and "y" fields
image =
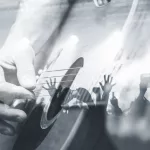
{"x": 93, "y": 26}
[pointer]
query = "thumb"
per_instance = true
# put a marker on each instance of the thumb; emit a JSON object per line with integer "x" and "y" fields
{"x": 24, "y": 60}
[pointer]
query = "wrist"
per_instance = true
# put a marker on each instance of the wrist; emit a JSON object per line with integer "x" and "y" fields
{"x": 105, "y": 95}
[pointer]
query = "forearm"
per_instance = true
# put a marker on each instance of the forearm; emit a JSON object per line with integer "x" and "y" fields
{"x": 105, "y": 97}
{"x": 31, "y": 22}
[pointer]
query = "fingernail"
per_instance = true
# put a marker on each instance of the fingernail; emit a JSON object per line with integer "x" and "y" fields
{"x": 21, "y": 118}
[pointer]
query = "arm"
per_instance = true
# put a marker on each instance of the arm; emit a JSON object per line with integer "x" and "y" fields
{"x": 106, "y": 87}
{"x": 31, "y": 22}
{"x": 26, "y": 37}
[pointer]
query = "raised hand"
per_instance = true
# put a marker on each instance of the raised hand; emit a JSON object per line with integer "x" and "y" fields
{"x": 51, "y": 87}
{"x": 107, "y": 84}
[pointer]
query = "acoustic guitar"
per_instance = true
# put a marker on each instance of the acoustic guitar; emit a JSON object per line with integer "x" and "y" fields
{"x": 87, "y": 47}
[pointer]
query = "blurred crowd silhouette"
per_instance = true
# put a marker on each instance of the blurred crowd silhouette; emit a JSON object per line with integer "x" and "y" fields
{"x": 119, "y": 122}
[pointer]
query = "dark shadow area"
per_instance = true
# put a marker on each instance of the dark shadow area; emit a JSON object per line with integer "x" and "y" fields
{"x": 32, "y": 135}
{"x": 55, "y": 106}
{"x": 91, "y": 133}
{"x": 64, "y": 88}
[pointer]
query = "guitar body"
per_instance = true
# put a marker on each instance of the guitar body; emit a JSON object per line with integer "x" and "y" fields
{"x": 89, "y": 42}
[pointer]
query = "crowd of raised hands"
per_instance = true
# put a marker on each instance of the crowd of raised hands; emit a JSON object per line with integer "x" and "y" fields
{"x": 104, "y": 91}
{"x": 135, "y": 122}
{"x": 130, "y": 122}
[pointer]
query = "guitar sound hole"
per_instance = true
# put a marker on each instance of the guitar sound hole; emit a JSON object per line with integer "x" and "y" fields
{"x": 63, "y": 89}
{"x": 56, "y": 103}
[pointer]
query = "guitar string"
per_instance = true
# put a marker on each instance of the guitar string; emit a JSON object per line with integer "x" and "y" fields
{"x": 62, "y": 69}
{"x": 55, "y": 77}
{"x": 81, "y": 91}
{"x": 58, "y": 76}
{"x": 53, "y": 82}
{"x": 56, "y": 82}
{"x": 37, "y": 91}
